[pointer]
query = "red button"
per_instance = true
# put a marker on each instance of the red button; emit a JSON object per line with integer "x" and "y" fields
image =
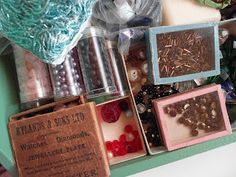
{"x": 109, "y": 145}
{"x": 115, "y": 148}
{"x": 122, "y": 138}
{"x": 111, "y": 112}
{"x": 128, "y": 128}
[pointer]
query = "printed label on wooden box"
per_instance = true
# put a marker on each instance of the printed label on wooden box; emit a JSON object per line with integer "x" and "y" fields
{"x": 65, "y": 143}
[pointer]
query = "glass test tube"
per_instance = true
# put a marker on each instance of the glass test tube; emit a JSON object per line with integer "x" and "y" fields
{"x": 117, "y": 68}
{"x": 95, "y": 64}
{"x": 66, "y": 78}
{"x": 33, "y": 79}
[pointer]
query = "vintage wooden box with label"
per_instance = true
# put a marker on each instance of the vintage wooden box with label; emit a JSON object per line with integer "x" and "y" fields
{"x": 65, "y": 142}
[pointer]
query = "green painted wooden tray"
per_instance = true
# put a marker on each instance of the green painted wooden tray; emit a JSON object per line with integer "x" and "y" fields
{"x": 9, "y": 105}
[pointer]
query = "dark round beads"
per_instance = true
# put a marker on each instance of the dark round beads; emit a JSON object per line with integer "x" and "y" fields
{"x": 153, "y": 136}
{"x": 141, "y": 108}
{"x": 124, "y": 106}
{"x": 172, "y": 113}
{"x": 143, "y": 100}
{"x": 194, "y": 132}
{"x": 198, "y": 113}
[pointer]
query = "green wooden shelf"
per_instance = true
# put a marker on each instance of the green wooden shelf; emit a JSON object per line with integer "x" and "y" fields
{"x": 149, "y": 162}
{"x": 9, "y": 105}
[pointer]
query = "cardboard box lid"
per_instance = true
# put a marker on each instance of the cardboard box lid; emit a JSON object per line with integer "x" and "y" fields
{"x": 62, "y": 143}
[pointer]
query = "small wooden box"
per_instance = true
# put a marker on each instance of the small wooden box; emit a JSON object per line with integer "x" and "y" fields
{"x": 193, "y": 117}
{"x": 63, "y": 143}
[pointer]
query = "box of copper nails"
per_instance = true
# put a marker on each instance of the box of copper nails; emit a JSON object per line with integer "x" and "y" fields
{"x": 62, "y": 139}
{"x": 192, "y": 117}
{"x": 181, "y": 53}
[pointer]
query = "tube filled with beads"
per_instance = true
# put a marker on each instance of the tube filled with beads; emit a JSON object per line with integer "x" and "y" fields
{"x": 66, "y": 77}
{"x": 95, "y": 64}
{"x": 117, "y": 68}
{"x": 33, "y": 78}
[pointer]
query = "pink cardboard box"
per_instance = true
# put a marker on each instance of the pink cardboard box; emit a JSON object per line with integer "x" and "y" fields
{"x": 192, "y": 117}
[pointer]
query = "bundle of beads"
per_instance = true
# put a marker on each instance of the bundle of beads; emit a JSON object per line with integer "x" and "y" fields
{"x": 143, "y": 101}
{"x": 198, "y": 113}
{"x": 129, "y": 142}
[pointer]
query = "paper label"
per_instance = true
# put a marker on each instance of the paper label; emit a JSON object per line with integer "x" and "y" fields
{"x": 66, "y": 143}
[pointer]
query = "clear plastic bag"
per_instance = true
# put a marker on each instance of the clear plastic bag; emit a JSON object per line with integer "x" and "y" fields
{"x": 118, "y": 14}
{"x": 128, "y": 36}
{"x": 47, "y": 28}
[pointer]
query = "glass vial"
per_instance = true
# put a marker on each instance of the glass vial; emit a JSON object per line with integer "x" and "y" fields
{"x": 117, "y": 68}
{"x": 95, "y": 64}
{"x": 66, "y": 78}
{"x": 33, "y": 78}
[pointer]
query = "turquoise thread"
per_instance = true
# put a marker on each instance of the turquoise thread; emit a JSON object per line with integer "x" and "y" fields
{"x": 44, "y": 27}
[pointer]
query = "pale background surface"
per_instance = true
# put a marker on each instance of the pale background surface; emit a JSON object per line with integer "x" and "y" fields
{"x": 220, "y": 162}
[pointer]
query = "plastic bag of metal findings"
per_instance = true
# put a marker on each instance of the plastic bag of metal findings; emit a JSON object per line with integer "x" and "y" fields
{"x": 114, "y": 15}
{"x": 47, "y": 28}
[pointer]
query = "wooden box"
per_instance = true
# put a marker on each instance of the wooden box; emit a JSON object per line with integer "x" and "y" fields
{"x": 66, "y": 142}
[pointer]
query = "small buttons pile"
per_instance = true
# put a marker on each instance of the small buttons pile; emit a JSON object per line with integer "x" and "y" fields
{"x": 199, "y": 113}
{"x": 137, "y": 68}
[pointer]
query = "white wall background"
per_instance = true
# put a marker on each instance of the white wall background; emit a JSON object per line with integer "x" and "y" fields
{"x": 220, "y": 162}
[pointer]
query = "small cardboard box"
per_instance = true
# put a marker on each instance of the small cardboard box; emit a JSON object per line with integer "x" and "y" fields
{"x": 181, "y": 53}
{"x": 193, "y": 117}
{"x": 122, "y": 133}
{"x": 63, "y": 143}
{"x": 182, "y": 12}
